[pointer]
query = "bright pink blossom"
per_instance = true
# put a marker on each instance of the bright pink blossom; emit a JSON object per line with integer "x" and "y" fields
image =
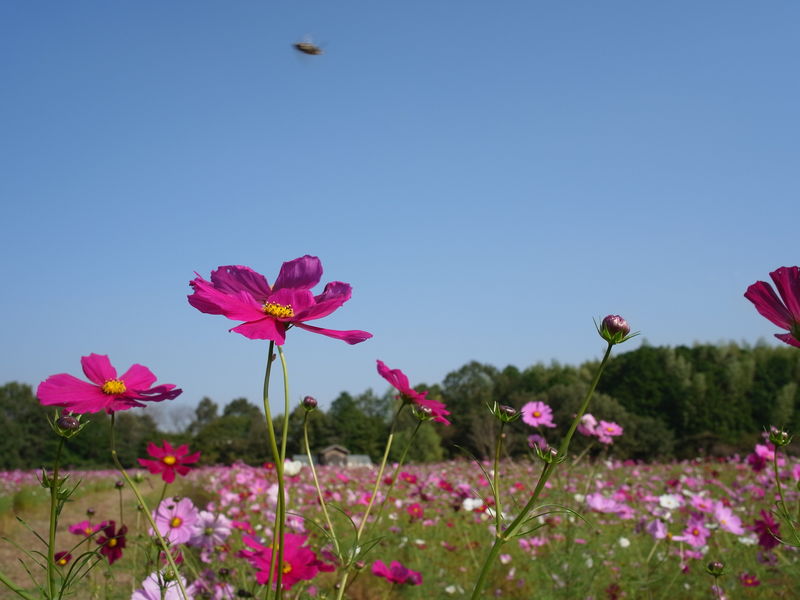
{"x": 84, "y": 528}
{"x": 241, "y": 294}
{"x": 784, "y": 311}
{"x": 400, "y": 382}
{"x": 606, "y": 431}
{"x": 299, "y": 562}
{"x": 107, "y": 391}
{"x": 396, "y": 573}
{"x": 768, "y": 530}
{"x": 537, "y": 414}
{"x": 696, "y": 533}
{"x": 169, "y": 460}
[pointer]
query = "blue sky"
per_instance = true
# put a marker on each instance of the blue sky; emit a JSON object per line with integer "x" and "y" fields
{"x": 489, "y": 177}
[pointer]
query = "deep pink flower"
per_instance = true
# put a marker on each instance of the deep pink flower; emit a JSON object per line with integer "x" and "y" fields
{"x": 748, "y": 580}
{"x": 169, "y": 460}
{"x": 784, "y": 311}
{"x": 400, "y": 382}
{"x": 768, "y": 530}
{"x": 606, "y": 431}
{"x": 111, "y": 541}
{"x": 106, "y": 391}
{"x": 537, "y": 413}
{"x": 588, "y": 425}
{"x": 396, "y": 573}
{"x": 62, "y": 558}
{"x": 84, "y": 528}
{"x": 241, "y": 294}
{"x": 299, "y": 562}
{"x": 696, "y": 533}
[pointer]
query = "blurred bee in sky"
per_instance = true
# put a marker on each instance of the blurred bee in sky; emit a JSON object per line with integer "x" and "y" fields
{"x": 307, "y": 47}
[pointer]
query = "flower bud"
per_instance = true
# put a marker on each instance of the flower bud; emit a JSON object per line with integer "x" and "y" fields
{"x": 68, "y": 423}
{"x": 614, "y": 329}
{"x": 119, "y": 484}
{"x": 715, "y": 568}
{"x": 309, "y": 403}
{"x": 507, "y": 410}
{"x": 779, "y": 437}
{"x": 90, "y": 512}
{"x": 224, "y": 572}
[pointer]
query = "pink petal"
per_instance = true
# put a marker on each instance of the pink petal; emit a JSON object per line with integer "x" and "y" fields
{"x": 768, "y": 304}
{"x": 234, "y": 279}
{"x": 788, "y": 338}
{"x": 787, "y": 280}
{"x": 138, "y": 378}
{"x": 154, "y": 451}
{"x": 263, "y": 329}
{"x": 351, "y": 337}
{"x": 98, "y": 368}
{"x": 336, "y": 293}
{"x": 300, "y": 273}
{"x": 299, "y": 300}
{"x": 70, "y": 392}
{"x": 394, "y": 376}
{"x": 240, "y": 306}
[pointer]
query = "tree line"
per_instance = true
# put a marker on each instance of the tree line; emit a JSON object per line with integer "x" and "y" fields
{"x": 673, "y": 402}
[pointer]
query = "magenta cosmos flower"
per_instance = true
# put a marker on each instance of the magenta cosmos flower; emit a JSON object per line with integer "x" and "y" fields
{"x": 111, "y": 540}
{"x": 784, "y": 311}
{"x": 299, "y": 562}
{"x": 107, "y": 391}
{"x": 169, "y": 460}
{"x": 537, "y": 413}
{"x": 400, "y": 382}
{"x": 396, "y": 573}
{"x": 241, "y": 294}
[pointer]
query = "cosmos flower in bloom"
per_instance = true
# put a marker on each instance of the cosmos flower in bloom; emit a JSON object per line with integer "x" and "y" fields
{"x": 696, "y": 533}
{"x": 396, "y": 573}
{"x": 299, "y": 562}
{"x": 111, "y": 541}
{"x": 784, "y": 311}
{"x": 62, "y": 558}
{"x": 154, "y": 584}
{"x": 241, "y": 294}
{"x": 768, "y": 530}
{"x": 606, "y": 431}
{"x": 537, "y": 414}
{"x": 210, "y": 530}
{"x": 176, "y": 520}
{"x": 107, "y": 391}
{"x": 400, "y": 382}
{"x": 169, "y": 460}
{"x": 84, "y": 528}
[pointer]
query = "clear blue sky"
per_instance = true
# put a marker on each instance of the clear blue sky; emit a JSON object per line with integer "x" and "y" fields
{"x": 488, "y": 176}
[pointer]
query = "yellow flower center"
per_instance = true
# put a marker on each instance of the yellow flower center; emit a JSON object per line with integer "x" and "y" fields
{"x": 114, "y": 387}
{"x": 610, "y": 429}
{"x": 62, "y": 561}
{"x": 287, "y": 568}
{"x": 537, "y": 414}
{"x": 175, "y": 522}
{"x": 279, "y": 311}
{"x": 695, "y": 531}
{"x": 169, "y": 460}
{"x": 112, "y": 542}
{"x": 88, "y": 531}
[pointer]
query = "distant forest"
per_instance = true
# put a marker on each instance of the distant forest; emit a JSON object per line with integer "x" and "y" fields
{"x": 672, "y": 402}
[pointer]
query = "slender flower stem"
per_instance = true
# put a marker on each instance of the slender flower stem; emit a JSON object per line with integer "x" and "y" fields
{"x": 503, "y": 537}
{"x": 397, "y": 470}
{"x": 51, "y": 542}
{"x": 360, "y": 530}
{"x": 276, "y": 456}
{"x": 317, "y": 486}
{"x": 146, "y": 510}
{"x": 282, "y": 490}
{"x": 496, "y": 478}
{"x": 783, "y": 510}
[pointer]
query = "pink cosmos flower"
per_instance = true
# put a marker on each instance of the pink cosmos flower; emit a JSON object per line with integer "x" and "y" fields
{"x": 111, "y": 541}
{"x": 588, "y": 425}
{"x": 396, "y": 573}
{"x": 768, "y": 530}
{"x": 107, "y": 391}
{"x": 784, "y": 311}
{"x": 606, "y": 431}
{"x": 241, "y": 294}
{"x": 62, "y": 558}
{"x": 299, "y": 562}
{"x": 175, "y": 520}
{"x": 537, "y": 414}
{"x": 400, "y": 382}
{"x": 157, "y": 587}
{"x": 748, "y": 580}
{"x": 169, "y": 460}
{"x": 84, "y": 528}
{"x": 696, "y": 533}
{"x": 727, "y": 520}
{"x": 210, "y": 530}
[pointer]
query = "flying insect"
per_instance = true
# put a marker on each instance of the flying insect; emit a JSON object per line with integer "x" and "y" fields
{"x": 307, "y": 48}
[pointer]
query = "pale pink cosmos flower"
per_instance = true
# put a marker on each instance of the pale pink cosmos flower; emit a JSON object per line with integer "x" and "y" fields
{"x": 176, "y": 520}
{"x": 537, "y": 414}
{"x": 588, "y": 425}
{"x": 696, "y": 533}
{"x": 606, "y": 431}
{"x": 727, "y": 520}
{"x": 107, "y": 390}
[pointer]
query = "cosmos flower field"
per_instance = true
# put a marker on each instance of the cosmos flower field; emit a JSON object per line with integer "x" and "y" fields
{"x": 634, "y": 538}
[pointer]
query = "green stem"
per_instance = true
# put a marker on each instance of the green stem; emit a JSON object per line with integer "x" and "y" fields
{"x": 360, "y": 530}
{"x": 281, "y": 480}
{"x": 276, "y": 456}
{"x": 496, "y": 478}
{"x": 397, "y": 470}
{"x": 317, "y": 486}
{"x": 503, "y": 537}
{"x": 51, "y": 545}
{"x": 146, "y": 510}
{"x": 14, "y": 588}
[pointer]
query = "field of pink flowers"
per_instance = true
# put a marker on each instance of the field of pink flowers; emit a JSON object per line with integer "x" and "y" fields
{"x": 644, "y": 530}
